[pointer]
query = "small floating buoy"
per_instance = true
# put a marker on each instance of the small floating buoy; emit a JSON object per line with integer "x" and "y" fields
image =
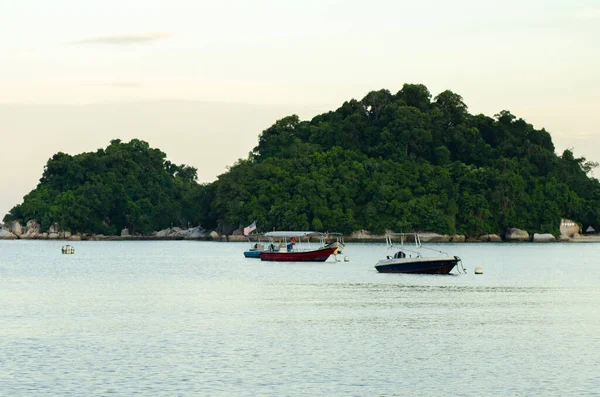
{"x": 346, "y": 259}
{"x": 67, "y": 249}
{"x": 478, "y": 270}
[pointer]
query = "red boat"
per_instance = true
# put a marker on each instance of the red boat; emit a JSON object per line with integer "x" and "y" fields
{"x": 318, "y": 255}
{"x": 288, "y": 249}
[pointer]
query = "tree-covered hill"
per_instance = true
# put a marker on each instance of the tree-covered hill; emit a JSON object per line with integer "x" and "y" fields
{"x": 399, "y": 161}
{"x": 404, "y": 162}
{"x": 126, "y": 185}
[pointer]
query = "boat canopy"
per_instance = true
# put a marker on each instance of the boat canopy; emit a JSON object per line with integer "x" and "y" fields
{"x": 290, "y": 234}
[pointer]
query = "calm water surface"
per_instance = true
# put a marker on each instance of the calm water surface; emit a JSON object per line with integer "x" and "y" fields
{"x": 197, "y": 318}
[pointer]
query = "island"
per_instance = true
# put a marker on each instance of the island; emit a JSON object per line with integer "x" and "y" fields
{"x": 402, "y": 162}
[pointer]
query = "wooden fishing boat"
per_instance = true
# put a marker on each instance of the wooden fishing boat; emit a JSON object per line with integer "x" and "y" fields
{"x": 295, "y": 246}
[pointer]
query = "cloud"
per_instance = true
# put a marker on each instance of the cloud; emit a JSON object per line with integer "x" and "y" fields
{"x": 588, "y": 13}
{"x": 125, "y": 39}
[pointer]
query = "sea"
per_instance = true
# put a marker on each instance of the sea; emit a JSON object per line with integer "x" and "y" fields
{"x": 190, "y": 318}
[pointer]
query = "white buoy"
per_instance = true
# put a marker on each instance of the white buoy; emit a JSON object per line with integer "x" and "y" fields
{"x": 67, "y": 249}
{"x": 346, "y": 259}
{"x": 478, "y": 270}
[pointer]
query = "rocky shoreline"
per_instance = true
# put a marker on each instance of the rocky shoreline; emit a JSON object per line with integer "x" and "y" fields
{"x": 570, "y": 232}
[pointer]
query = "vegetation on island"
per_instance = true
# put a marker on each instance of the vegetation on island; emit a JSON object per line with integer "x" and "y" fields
{"x": 401, "y": 161}
{"x": 126, "y": 185}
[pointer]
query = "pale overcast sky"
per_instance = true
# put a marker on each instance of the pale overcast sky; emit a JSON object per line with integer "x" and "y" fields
{"x": 201, "y": 79}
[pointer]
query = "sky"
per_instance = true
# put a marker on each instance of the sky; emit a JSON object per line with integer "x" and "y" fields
{"x": 201, "y": 79}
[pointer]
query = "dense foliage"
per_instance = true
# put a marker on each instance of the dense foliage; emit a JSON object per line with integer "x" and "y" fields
{"x": 126, "y": 185}
{"x": 403, "y": 162}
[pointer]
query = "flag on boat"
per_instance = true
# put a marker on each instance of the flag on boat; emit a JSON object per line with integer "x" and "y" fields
{"x": 249, "y": 228}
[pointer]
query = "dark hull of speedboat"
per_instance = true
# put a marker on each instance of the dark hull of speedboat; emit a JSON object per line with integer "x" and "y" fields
{"x": 319, "y": 255}
{"x": 434, "y": 266}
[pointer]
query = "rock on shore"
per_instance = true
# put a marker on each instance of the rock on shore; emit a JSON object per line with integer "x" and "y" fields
{"x": 514, "y": 234}
{"x": 364, "y": 235}
{"x": 490, "y": 237}
{"x": 543, "y": 238}
{"x": 7, "y": 235}
{"x": 32, "y": 230}
{"x": 15, "y": 228}
{"x": 434, "y": 238}
{"x": 177, "y": 233}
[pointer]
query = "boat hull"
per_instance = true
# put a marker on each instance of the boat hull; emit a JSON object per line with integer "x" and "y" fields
{"x": 319, "y": 255}
{"x": 252, "y": 254}
{"x": 417, "y": 265}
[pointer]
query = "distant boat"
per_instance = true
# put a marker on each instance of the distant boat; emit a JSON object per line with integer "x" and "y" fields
{"x": 256, "y": 247}
{"x": 289, "y": 248}
{"x": 406, "y": 260}
{"x": 254, "y": 250}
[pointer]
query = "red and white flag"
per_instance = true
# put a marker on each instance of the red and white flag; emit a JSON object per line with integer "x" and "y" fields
{"x": 249, "y": 228}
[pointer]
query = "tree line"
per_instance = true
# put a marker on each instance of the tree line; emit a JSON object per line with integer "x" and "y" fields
{"x": 404, "y": 161}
